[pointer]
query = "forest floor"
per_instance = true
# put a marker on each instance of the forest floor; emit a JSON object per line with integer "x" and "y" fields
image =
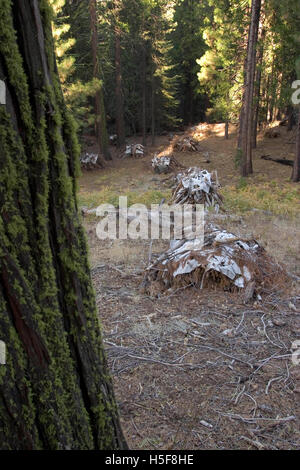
{"x": 199, "y": 369}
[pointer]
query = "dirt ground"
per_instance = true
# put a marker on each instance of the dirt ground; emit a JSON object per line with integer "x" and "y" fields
{"x": 200, "y": 369}
{"x": 136, "y": 172}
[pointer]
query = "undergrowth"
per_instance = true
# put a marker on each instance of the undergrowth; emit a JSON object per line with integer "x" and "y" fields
{"x": 110, "y": 196}
{"x": 274, "y": 197}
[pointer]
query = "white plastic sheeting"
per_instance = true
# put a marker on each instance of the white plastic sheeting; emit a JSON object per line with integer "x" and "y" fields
{"x": 134, "y": 150}
{"x": 89, "y": 160}
{"x": 223, "y": 255}
{"x": 196, "y": 186}
{"x": 161, "y": 164}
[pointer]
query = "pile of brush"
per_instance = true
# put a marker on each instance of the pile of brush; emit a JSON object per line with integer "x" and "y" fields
{"x": 272, "y": 133}
{"x": 134, "y": 150}
{"x": 90, "y": 161}
{"x": 224, "y": 261}
{"x": 113, "y": 139}
{"x": 165, "y": 164}
{"x": 186, "y": 144}
{"x": 196, "y": 186}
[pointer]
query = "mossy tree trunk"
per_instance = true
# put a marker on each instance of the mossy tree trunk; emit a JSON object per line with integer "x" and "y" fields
{"x": 55, "y": 389}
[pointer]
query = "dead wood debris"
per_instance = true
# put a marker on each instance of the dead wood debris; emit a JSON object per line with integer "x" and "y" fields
{"x": 283, "y": 161}
{"x": 225, "y": 261}
{"x": 196, "y": 186}
{"x": 272, "y": 133}
{"x": 174, "y": 357}
{"x": 134, "y": 151}
{"x": 165, "y": 164}
{"x": 113, "y": 139}
{"x": 90, "y": 161}
{"x": 186, "y": 144}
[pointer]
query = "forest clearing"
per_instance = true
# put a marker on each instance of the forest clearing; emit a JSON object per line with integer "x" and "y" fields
{"x": 149, "y": 227}
{"x": 197, "y": 366}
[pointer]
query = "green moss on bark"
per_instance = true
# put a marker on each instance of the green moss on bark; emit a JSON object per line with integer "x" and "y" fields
{"x": 56, "y": 391}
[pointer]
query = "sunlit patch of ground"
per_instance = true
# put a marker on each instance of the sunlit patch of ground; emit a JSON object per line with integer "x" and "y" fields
{"x": 269, "y": 187}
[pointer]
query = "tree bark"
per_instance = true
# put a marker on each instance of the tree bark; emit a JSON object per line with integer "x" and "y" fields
{"x": 271, "y": 101}
{"x": 55, "y": 388}
{"x": 101, "y": 129}
{"x": 247, "y": 109}
{"x": 143, "y": 83}
{"x": 189, "y": 101}
{"x": 153, "y": 109}
{"x": 291, "y": 118}
{"x": 241, "y": 115}
{"x": 227, "y": 130}
{"x": 257, "y": 88}
{"x": 119, "y": 92}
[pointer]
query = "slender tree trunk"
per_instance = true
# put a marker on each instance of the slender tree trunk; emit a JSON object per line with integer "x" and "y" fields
{"x": 296, "y": 168}
{"x": 101, "y": 129}
{"x": 240, "y": 134}
{"x": 241, "y": 116}
{"x": 256, "y": 111}
{"x": 119, "y": 92}
{"x": 257, "y": 91}
{"x": 143, "y": 82}
{"x": 226, "y": 133}
{"x": 270, "y": 114}
{"x": 247, "y": 111}
{"x": 227, "y": 130}
{"x": 153, "y": 109}
{"x": 190, "y": 102}
{"x": 291, "y": 118}
{"x": 267, "y": 100}
{"x": 55, "y": 389}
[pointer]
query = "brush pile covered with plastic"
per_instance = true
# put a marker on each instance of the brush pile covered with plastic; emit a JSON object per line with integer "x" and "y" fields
{"x": 90, "y": 161}
{"x": 186, "y": 144}
{"x": 165, "y": 164}
{"x": 224, "y": 261}
{"x": 134, "y": 151}
{"x": 196, "y": 186}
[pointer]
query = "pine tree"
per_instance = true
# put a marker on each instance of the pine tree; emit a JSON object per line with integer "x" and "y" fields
{"x": 101, "y": 129}
{"x": 220, "y": 74}
{"x": 247, "y": 109}
{"x": 120, "y": 124}
{"x": 188, "y": 45}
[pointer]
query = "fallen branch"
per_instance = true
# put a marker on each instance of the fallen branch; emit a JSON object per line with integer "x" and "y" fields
{"x": 283, "y": 161}
{"x": 254, "y": 420}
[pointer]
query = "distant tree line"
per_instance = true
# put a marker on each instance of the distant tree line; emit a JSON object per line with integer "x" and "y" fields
{"x": 163, "y": 64}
